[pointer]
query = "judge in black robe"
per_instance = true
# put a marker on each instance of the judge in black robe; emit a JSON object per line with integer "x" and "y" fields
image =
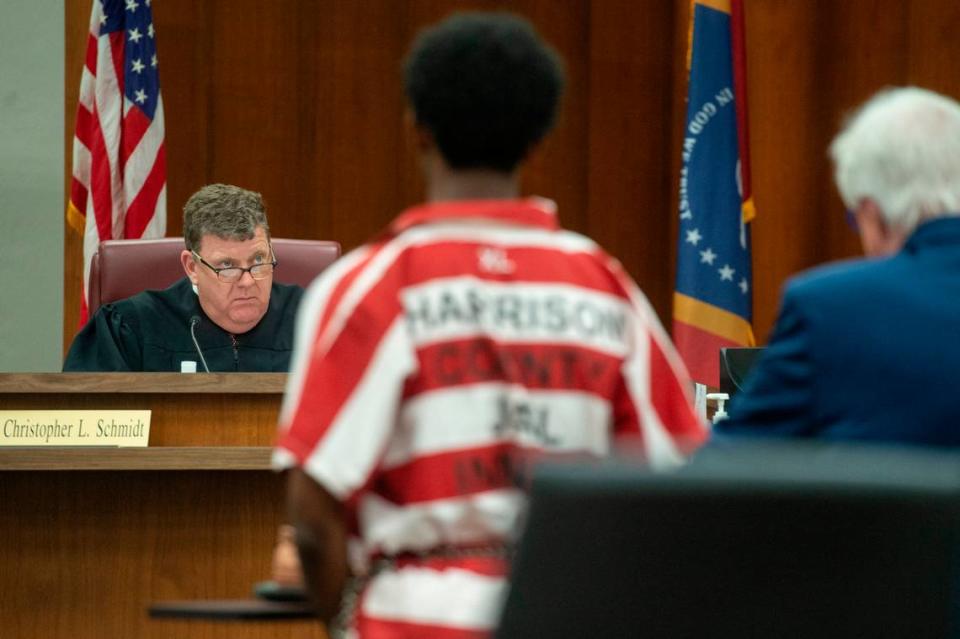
{"x": 150, "y": 331}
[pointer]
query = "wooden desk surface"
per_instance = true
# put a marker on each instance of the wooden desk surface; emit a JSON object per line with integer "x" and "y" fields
{"x": 89, "y": 537}
{"x": 160, "y": 458}
{"x": 158, "y": 383}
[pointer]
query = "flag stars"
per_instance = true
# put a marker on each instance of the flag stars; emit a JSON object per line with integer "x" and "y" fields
{"x": 694, "y": 237}
{"x": 744, "y": 287}
{"x": 103, "y": 19}
{"x": 132, "y": 5}
{"x": 708, "y": 256}
{"x": 134, "y": 35}
{"x": 150, "y": 30}
{"x": 153, "y": 60}
{"x": 726, "y": 273}
{"x": 140, "y": 96}
{"x": 138, "y": 66}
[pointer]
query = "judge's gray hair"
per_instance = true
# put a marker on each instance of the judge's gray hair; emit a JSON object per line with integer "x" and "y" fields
{"x": 901, "y": 150}
{"x": 223, "y": 210}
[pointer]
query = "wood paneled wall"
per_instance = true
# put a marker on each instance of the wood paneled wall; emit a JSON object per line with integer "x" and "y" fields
{"x": 302, "y": 101}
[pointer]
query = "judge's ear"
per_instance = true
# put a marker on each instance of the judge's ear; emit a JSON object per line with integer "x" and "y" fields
{"x": 189, "y": 265}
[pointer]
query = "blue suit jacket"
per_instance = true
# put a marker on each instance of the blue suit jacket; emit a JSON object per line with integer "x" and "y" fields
{"x": 866, "y": 350}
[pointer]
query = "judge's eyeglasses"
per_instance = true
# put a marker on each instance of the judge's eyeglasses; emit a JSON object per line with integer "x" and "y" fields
{"x": 231, "y": 274}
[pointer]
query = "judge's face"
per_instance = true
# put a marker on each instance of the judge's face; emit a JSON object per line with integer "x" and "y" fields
{"x": 238, "y": 306}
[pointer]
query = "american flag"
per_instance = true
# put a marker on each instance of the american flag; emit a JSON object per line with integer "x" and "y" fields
{"x": 119, "y": 181}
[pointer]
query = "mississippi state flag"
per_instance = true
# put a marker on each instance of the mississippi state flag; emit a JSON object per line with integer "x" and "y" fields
{"x": 713, "y": 299}
{"x": 119, "y": 167}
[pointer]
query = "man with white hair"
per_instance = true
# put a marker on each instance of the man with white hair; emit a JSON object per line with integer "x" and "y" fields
{"x": 870, "y": 349}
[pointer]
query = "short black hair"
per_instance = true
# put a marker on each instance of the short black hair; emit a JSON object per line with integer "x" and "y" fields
{"x": 486, "y": 86}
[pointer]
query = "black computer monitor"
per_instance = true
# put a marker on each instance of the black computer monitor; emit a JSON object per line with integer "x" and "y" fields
{"x": 735, "y": 364}
{"x": 756, "y": 542}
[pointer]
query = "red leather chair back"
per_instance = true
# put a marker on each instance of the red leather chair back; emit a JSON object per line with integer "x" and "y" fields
{"x": 121, "y": 268}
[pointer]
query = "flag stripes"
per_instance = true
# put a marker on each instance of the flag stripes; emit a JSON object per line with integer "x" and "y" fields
{"x": 118, "y": 187}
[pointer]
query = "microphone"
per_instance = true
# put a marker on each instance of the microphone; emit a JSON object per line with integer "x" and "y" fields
{"x": 193, "y": 323}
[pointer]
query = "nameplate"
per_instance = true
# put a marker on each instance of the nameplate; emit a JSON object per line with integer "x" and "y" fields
{"x": 74, "y": 428}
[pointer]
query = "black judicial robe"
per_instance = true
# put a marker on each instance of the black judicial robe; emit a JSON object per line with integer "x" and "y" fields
{"x": 151, "y": 332}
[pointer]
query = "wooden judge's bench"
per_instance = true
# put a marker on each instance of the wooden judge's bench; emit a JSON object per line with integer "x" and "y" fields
{"x": 90, "y": 537}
